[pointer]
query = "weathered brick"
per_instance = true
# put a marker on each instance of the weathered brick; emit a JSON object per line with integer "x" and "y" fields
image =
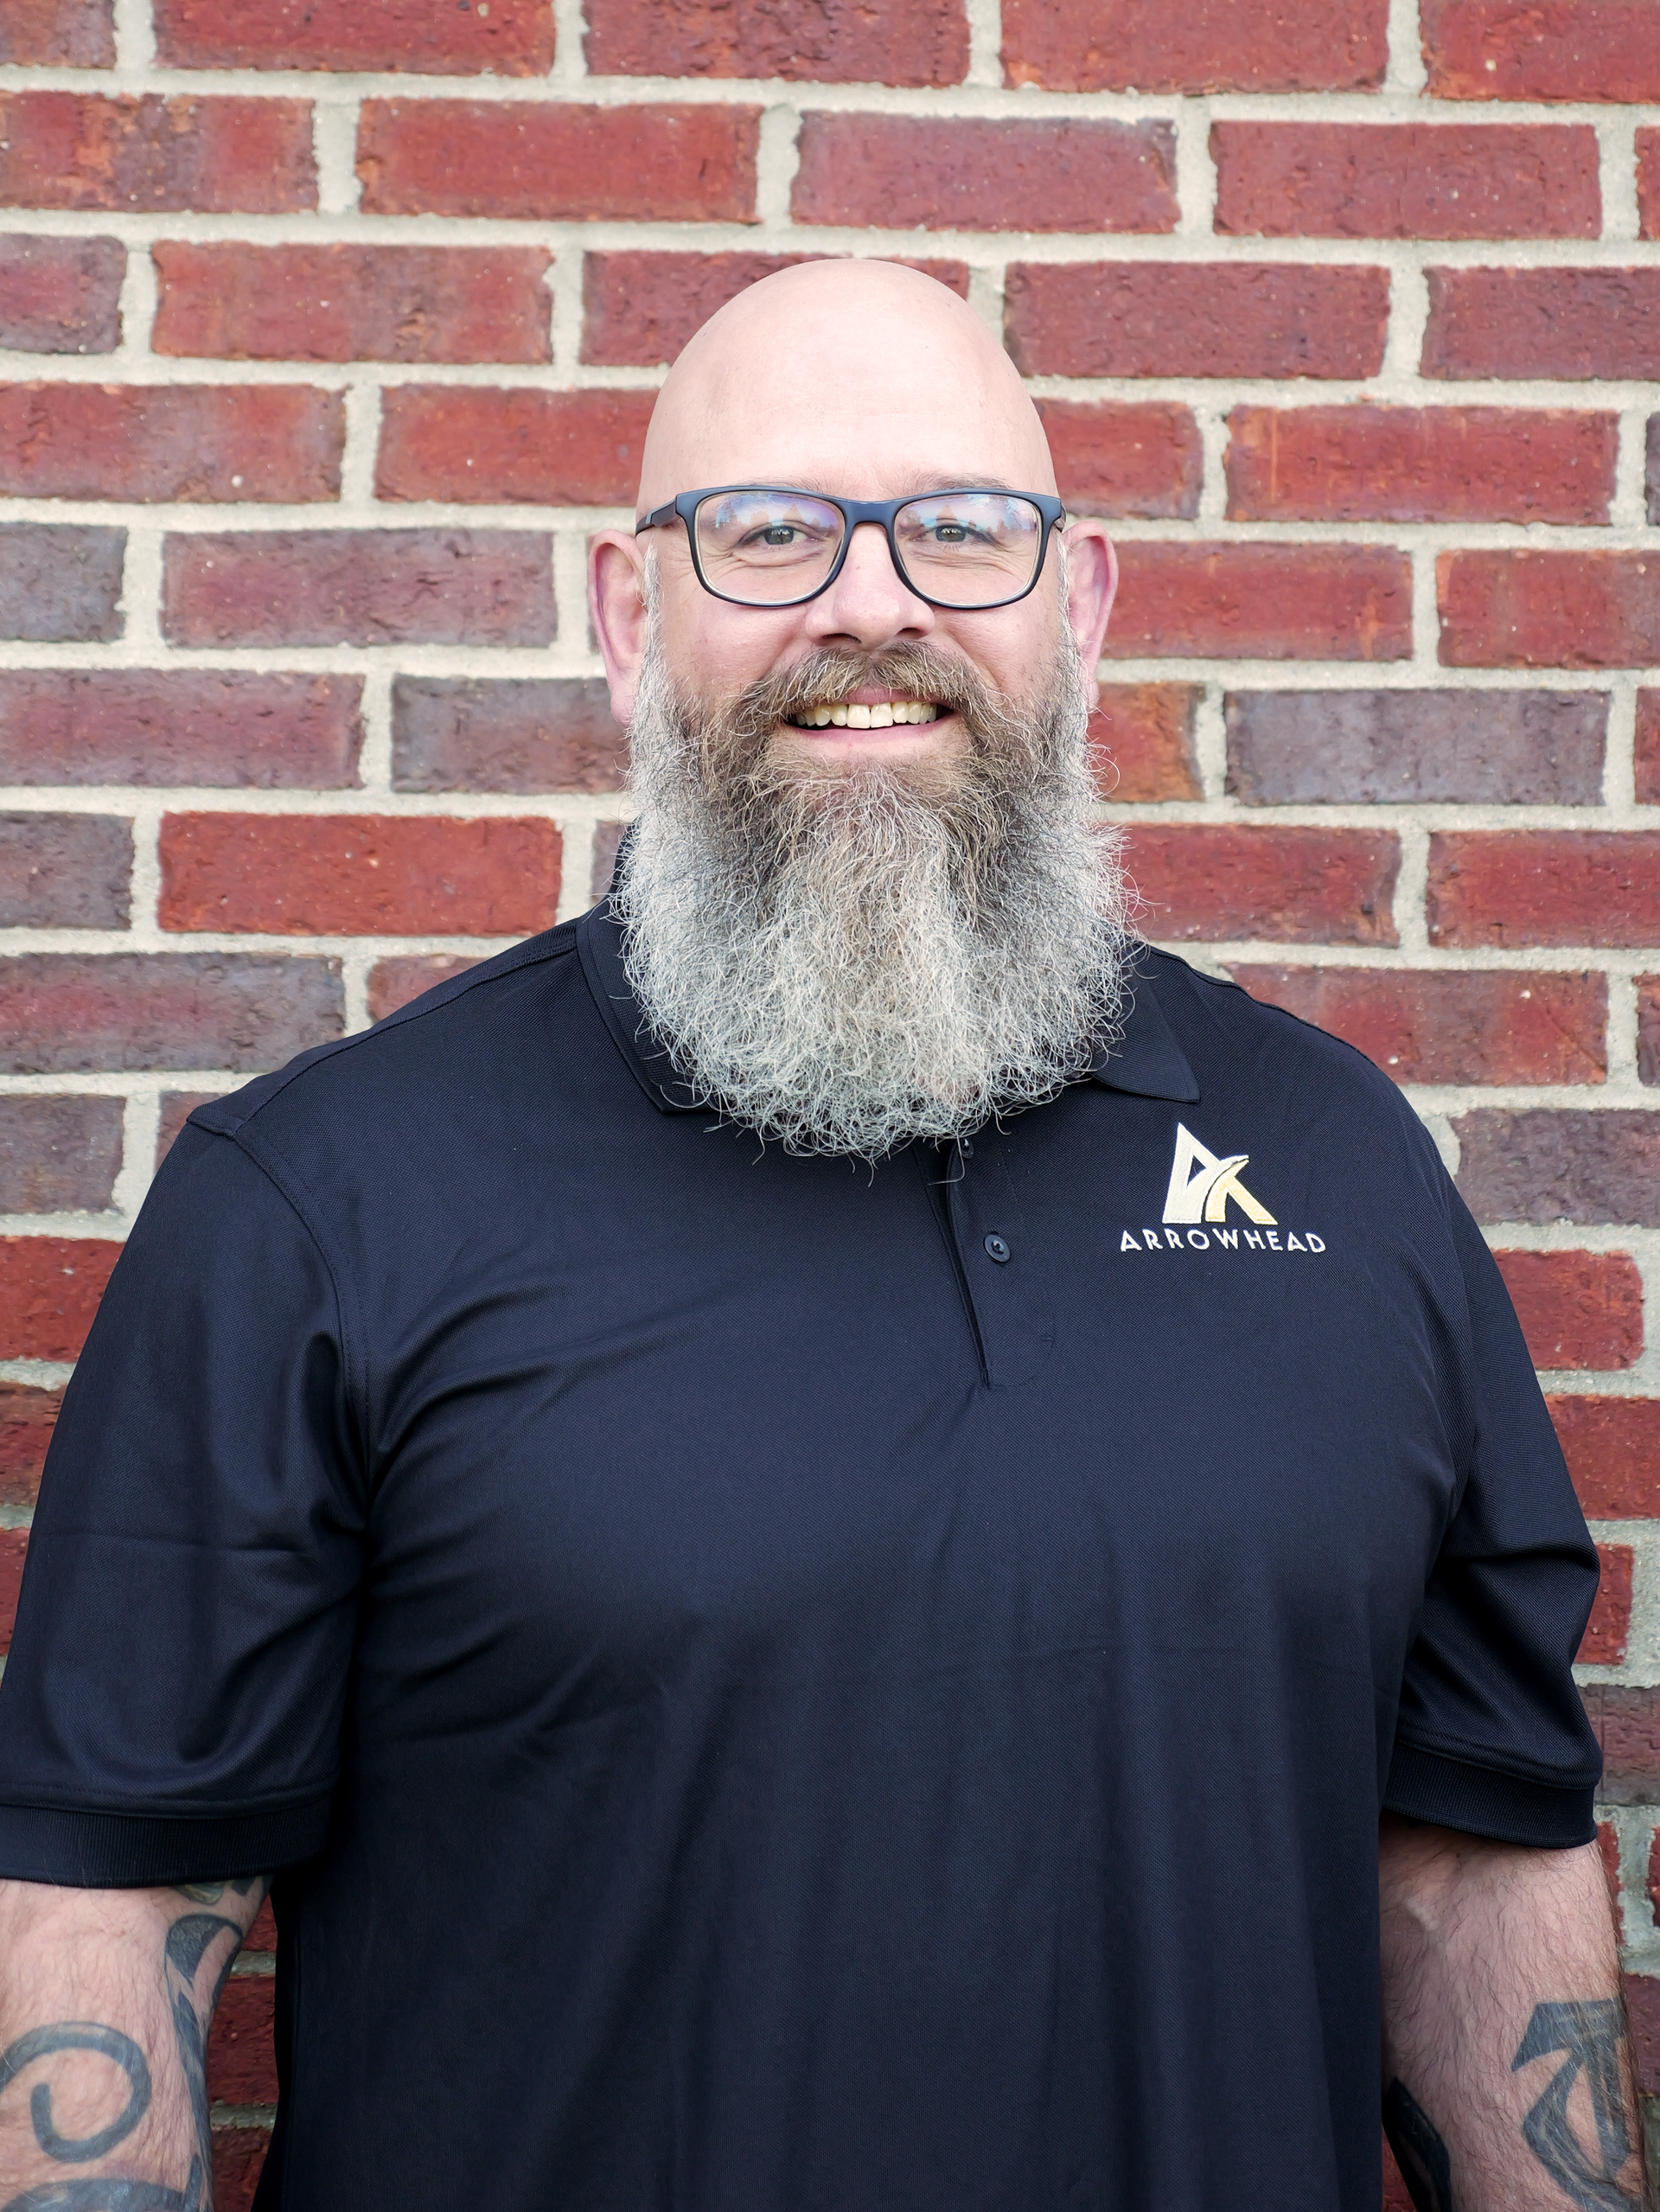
{"x": 1627, "y": 1725}
{"x": 14, "y": 1543}
{"x": 1184, "y": 318}
{"x": 49, "y": 1290}
{"x": 1544, "y": 1163}
{"x": 1406, "y": 180}
{"x": 1648, "y": 1029}
{"x": 262, "y": 1932}
{"x": 352, "y": 302}
{"x": 1610, "y": 1625}
{"x": 60, "y": 582}
{"x": 1565, "y": 322}
{"x": 558, "y": 162}
{"x": 178, "y": 726}
{"x": 1204, "y": 46}
{"x": 171, "y": 442}
{"x": 1114, "y": 457}
{"x": 239, "y": 2160}
{"x": 1577, "y": 1310}
{"x": 318, "y": 875}
{"x": 1420, "y": 464}
{"x": 825, "y": 42}
{"x": 242, "y": 2055}
{"x": 175, "y": 1108}
{"x": 1466, "y": 1025}
{"x": 1506, "y": 748}
{"x": 59, "y": 34}
{"x": 1292, "y": 887}
{"x": 1550, "y": 49}
{"x": 1141, "y": 738}
{"x": 1648, "y": 747}
{"x": 64, "y": 872}
{"x": 1549, "y": 610}
{"x": 1544, "y": 886}
{"x": 1652, "y": 469}
{"x": 1612, "y": 1448}
{"x": 1608, "y": 1851}
{"x": 1262, "y": 602}
{"x": 152, "y": 154}
{"x": 639, "y": 308}
{"x": 508, "y": 38}
{"x": 61, "y": 295}
{"x": 608, "y": 836}
{"x": 516, "y": 733}
{"x": 394, "y": 983}
{"x": 58, "y": 1155}
{"x": 68, "y": 1013}
{"x": 471, "y": 442}
{"x": 1648, "y": 183}
{"x": 898, "y": 172}
{"x": 359, "y": 587}
{"x": 28, "y": 1416}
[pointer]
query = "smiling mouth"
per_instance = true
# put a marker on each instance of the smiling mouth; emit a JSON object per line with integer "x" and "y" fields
{"x": 856, "y": 716}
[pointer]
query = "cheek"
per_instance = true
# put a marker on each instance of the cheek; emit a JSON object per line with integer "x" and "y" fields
{"x": 714, "y": 650}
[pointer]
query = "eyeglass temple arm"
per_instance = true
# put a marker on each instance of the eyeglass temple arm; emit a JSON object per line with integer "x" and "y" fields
{"x": 655, "y": 519}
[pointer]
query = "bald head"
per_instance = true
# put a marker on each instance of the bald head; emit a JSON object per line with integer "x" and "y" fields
{"x": 857, "y": 377}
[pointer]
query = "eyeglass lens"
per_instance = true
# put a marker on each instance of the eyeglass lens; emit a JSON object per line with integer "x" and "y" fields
{"x": 959, "y": 549}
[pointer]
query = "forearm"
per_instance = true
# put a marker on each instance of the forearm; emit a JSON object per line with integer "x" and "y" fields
{"x": 1507, "y": 2071}
{"x": 105, "y": 1999}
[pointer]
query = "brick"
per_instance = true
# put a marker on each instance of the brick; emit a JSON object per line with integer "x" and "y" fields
{"x": 1420, "y": 464}
{"x": 359, "y": 874}
{"x": 242, "y": 2055}
{"x": 1544, "y": 886}
{"x": 1262, "y": 602}
{"x": 1203, "y": 46}
{"x": 49, "y": 1290}
{"x": 1397, "y": 2197}
{"x": 352, "y": 303}
{"x": 518, "y": 734}
{"x": 1504, "y": 748}
{"x": 219, "y": 726}
{"x": 58, "y": 1155}
{"x": 1648, "y": 1029}
{"x": 1549, "y": 610}
{"x": 824, "y": 42}
{"x": 1627, "y": 1725}
{"x": 68, "y": 1013}
{"x": 1643, "y": 2018}
{"x": 557, "y": 163}
{"x": 175, "y": 1109}
{"x": 1608, "y": 1851}
{"x": 359, "y": 587}
{"x": 1293, "y": 886}
{"x": 171, "y": 442}
{"x": 1612, "y": 1448}
{"x": 394, "y": 983}
{"x": 238, "y": 2161}
{"x": 899, "y": 172}
{"x": 608, "y": 835}
{"x": 639, "y": 308}
{"x": 28, "y": 1416}
{"x": 1648, "y": 747}
{"x": 1150, "y": 318}
{"x": 60, "y": 582}
{"x": 1577, "y": 1310}
{"x": 1651, "y": 468}
{"x": 1465, "y": 1025}
{"x": 1550, "y": 49}
{"x": 508, "y": 38}
{"x": 60, "y": 34}
{"x": 1564, "y": 323}
{"x": 1541, "y": 1163}
{"x": 14, "y": 1543}
{"x": 262, "y": 1932}
{"x": 1648, "y": 183}
{"x": 155, "y": 154}
{"x": 1406, "y": 180}
{"x": 470, "y": 442}
{"x": 64, "y": 872}
{"x": 1610, "y": 1625}
{"x": 1141, "y": 738}
{"x": 61, "y": 295}
{"x": 1117, "y": 457}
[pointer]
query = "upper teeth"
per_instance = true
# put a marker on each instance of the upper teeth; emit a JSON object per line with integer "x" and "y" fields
{"x": 882, "y": 717}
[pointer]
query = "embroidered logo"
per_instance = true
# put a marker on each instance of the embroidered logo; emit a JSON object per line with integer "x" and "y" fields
{"x": 1201, "y": 1185}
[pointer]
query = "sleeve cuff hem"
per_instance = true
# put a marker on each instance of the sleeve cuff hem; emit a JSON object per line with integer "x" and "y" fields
{"x": 116, "y": 1851}
{"x": 1481, "y": 1801}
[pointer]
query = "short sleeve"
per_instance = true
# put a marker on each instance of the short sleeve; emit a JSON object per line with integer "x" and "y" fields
{"x": 171, "y": 1708}
{"x": 1491, "y": 1736}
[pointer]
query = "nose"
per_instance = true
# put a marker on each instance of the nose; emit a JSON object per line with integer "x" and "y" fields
{"x": 870, "y": 605}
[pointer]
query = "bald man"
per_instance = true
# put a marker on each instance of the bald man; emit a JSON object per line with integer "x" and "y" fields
{"x": 829, "y": 1533}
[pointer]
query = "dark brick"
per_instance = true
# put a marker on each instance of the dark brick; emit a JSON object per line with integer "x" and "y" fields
{"x": 639, "y": 308}
{"x": 28, "y": 1416}
{"x": 59, "y": 1155}
{"x": 1202, "y": 46}
{"x": 1543, "y": 1163}
{"x": 14, "y": 1544}
{"x": 64, "y": 872}
{"x": 826, "y": 42}
{"x": 1652, "y": 470}
{"x": 68, "y": 1013}
{"x": 179, "y": 725}
{"x": 608, "y": 835}
{"x": 239, "y": 2160}
{"x": 1612, "y": 1448}
{"x": 241, "y": 2057}
{"x": 1141, "y": 737}
{"x": 1627, "y": 1725}
{"x": 1564, "y": 323}
{"x": 1577, "y": 1310}
{"x": 519, "y": 733}
{"x": 1507, "y": 748}
{"x": 61, "y": 295}
{"x": 394, "y": 983}
{"x": 151, "y": 154}
{"x": 1114, "y": 457}
{"x": 1648, "y": 747}
{"x": 58, "y": 33}
{"x": 177, "y": 1108}
{"x": 1292, "y": 887}
{"x": 1643, "y": 2015}
{"x": 60, "y": 582}
{"x": 1451, "y": 1026}
{"x": 1648, "y": 1029}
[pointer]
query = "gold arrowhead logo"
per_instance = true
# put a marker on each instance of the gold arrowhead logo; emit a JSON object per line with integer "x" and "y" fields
{"x": 1201, "y": 1184}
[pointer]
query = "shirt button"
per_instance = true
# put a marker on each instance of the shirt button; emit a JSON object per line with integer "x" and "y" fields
{"x": 998, "y": 1249}
{"x": 966, "y": 1147}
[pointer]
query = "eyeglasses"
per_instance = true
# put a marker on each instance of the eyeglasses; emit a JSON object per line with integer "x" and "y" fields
{"x": 759, "y": 547}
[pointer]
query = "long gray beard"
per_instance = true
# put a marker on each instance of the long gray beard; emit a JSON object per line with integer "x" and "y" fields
{"x": 845, "y": 960}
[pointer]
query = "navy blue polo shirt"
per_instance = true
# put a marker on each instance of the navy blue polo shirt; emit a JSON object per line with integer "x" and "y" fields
{"x": 774, "y": 1685}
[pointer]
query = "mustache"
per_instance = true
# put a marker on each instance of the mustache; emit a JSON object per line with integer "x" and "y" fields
{"x": 830, "y": 679}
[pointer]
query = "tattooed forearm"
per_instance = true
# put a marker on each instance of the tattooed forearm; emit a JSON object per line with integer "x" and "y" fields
{"x": 1426, "y": 2166}
{"x": 1590, "y": 2034}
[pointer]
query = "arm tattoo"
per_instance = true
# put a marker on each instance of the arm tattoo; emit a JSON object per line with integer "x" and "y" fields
{"x": 1590, "y": 2033}
{"x": 1426, "y": 2166}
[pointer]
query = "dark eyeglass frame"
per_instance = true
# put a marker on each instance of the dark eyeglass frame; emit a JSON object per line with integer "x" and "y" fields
{"x": 854, "y": 512}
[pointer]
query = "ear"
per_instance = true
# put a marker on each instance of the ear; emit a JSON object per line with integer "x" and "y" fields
{"x": 1091, "y": 586}
{"x": 616, "y": 603}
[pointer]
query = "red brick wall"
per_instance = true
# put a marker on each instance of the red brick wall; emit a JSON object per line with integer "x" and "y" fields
{"x": 331, "y": 332}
